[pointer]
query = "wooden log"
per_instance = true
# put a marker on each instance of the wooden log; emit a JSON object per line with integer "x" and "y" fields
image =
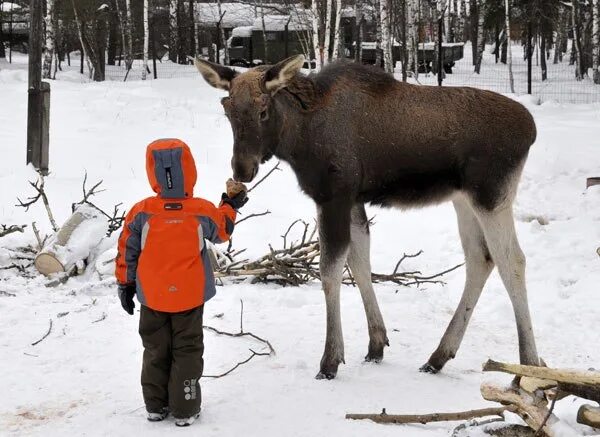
{"x": 591, "y": 392}
{"x": 531, "y": 385}
{"x": 73, "y": 243}
{"x": 383, "y": 417}
{"x": 558, "y": 375}
{"x": 592, "y": 182}
{"x": 532, "y": 409}
{"x": 589, "y": 415}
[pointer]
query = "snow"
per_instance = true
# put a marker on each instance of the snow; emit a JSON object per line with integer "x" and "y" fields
{"x": 83, "y": 379}
{"x": 276, "y": 23}
{"x": 242, "y": 31}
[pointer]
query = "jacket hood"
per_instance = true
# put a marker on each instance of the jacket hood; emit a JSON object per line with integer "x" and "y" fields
{"x": 171, "y": 168}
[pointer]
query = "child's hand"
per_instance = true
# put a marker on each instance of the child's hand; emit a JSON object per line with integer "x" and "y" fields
{"x": 234, "y": 188}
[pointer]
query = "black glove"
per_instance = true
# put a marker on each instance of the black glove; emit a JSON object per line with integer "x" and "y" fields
{"x": 237, "y": 201}
{"x": 126, "y": 293}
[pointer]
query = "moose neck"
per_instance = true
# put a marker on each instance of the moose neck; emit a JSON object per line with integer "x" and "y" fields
{"x": 293, "y": 122}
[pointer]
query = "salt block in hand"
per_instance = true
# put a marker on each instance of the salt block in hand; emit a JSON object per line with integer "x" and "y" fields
{"x": 234, "y": 188}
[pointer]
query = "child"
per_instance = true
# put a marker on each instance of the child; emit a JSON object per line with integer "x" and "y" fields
{"x": 163, "y": 259}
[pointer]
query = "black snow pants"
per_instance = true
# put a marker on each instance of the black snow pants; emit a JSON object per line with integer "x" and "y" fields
{"x": 172, "y": 364}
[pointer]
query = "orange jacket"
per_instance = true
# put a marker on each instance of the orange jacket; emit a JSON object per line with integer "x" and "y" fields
{"x": 162, "y": 248}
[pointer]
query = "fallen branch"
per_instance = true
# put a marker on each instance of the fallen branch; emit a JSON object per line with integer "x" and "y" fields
{"x": 531, "y": 409}
{"x": 6, "y": 293}
{"x": 41, "y": 194}
{"x": 383, "y": 417}
{"x": 589, "y": 415}
{"x": 45, "y": 335}
{"x": 254, "y": 354}
{"x": 41, "y": 241}
{"x": 559, "y": 375}
{"x": 241, "y": 333}
{"x": 102, "y": 317}
{"x": 6, "y": 230}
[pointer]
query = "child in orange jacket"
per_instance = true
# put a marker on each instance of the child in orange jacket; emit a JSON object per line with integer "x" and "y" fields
{"x": 162, "y": 257}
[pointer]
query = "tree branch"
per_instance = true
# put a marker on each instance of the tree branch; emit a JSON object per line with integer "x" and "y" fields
{"x": 45, "y": 335}
{"x": 6, "y": 230}
{"x": 383, "y": 417}
{"x": 276, "y": 167}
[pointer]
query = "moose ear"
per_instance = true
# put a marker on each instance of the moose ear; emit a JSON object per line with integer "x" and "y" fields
{"x": 215, "y": 74}
{"x": 280, "y": 74}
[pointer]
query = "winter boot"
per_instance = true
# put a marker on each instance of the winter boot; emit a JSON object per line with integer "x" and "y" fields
{"x": 187, "y": 421}
{"x": 158, "y": 417}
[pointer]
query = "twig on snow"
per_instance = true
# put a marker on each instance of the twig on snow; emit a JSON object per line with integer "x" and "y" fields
{"x": 6, "y": 230}
{"x": 6, "y": 293}
{"x": 241, "y": 333}
{"x": 254, "y": 354}
{"x": 102, "y": 317}
{"x": 45, "y": 335}
{"x": 383, "y": 417}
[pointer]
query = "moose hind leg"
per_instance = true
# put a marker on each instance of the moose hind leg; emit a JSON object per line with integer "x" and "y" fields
{"x": 479, "y": 265}
{"x": 334, "y": 237}
{"x": 360, "y": 265}
{"x": 499, "y": 229}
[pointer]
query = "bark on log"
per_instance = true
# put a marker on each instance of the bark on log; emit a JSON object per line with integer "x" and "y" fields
{"x": 589, "y": 415}
{"x": 532, "y": 409}
{"x": 586, "y": 391}
{"x": 73, "y": 242}
{"x": 564, "y": 376}
{"x": 383, "y": 417}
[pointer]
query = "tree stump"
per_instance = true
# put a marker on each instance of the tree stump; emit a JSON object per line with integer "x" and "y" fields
{"x": 73, "y": 243}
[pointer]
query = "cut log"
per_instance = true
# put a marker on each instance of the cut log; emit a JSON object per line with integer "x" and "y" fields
{"x": 383, "y": 417}
{"x": 73, "y": 242}
{"x": 591, "y": 392}
{"x": 532, "y": 409}
{"x": 589, "y": 415}
{"x": 558, "y": 375}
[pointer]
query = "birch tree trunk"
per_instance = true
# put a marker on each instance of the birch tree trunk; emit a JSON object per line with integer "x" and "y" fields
{"x": 577, "y": 40}
{"x": 264, "y": 32}
{"x": 508, "y": 46}
{"x": 386, "y": 36}
{"x": 337, "y": 39}
{"x": 462, "y": 21}
{"x": 413, "y": 36}
{"x": 129, "y": 35}
{"x": 327, "y": 42}
{"x": 358, "y": 37}
{"x": 222, "y": 34}
{"x": 480, "y": 35}
{"x": 596, "y": 41}
{"x": 445, "y": 9}
{"x": 173, "y": 44}
{"x": 49, "y": 46}
{"x": 315, "y": 35}
{"x": 378, "y": 51}
{"x": 146, "y": 41}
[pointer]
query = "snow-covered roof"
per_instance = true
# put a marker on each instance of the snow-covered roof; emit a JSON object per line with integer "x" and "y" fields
{"x": 242, "y": 31}
{"x": 7, "y": 7}
{"x": 276, "y": 23}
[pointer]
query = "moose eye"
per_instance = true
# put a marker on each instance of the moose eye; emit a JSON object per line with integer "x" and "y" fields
{"x": 264, "y": 115}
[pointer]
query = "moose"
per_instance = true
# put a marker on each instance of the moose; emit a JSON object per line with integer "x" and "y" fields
{"x": 353, "y": 135}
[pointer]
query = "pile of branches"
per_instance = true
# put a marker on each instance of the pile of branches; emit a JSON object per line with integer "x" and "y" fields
{"x": 297, "y": 262}
{"x": 532, "y": 396}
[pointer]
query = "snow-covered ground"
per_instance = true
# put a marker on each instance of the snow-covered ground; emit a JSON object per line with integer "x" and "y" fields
{"x": 83, "y": 379}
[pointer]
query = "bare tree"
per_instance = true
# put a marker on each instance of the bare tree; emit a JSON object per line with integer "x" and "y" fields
{"x": 49, "y": 46}
{"x": 480, "y": 34}
{"x": 337, "y": 38}
{"x": 508, "y": 46}
{"x": 577, "y": 39}
{"x": 173, "y": 43}
{"x": 596, "y": 41}
{"x": 412, "y": 12}
{"x": 386, "y": 36}
{"x": 91, "y": 28}
{"x": 146, "y": 40}
{"x": 129, "y": 34}
{"x": 378, "y": 56}
{"x": 327, "y": 42}
{"x": 315, "y": 31}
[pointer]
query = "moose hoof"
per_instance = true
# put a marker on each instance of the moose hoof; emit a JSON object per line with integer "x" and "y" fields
{"x": 428, "y": 368}
{"x": 325, "y": 375}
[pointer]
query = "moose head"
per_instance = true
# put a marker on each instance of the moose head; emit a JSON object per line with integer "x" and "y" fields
{"x": 250, "y": 108}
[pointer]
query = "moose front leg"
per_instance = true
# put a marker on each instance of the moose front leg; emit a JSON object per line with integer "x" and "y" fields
{"x": 334, "y": 237}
